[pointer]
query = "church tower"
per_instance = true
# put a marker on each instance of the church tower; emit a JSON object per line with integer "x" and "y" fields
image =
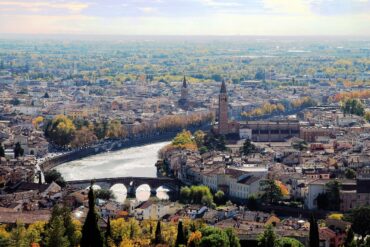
{"x": 222, "y": 111}
{"x": 184, "y": 98}
{"x": 184, "y": 90}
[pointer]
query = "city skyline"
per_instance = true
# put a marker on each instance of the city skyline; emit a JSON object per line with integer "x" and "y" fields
{"x": 192, "y": 17}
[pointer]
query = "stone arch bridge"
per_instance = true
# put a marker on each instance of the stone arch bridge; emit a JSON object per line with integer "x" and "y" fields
{"x": 132, "y": 183}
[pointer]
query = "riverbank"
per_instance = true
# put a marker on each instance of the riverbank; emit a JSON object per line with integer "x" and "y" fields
{"x": 112, "y": 145}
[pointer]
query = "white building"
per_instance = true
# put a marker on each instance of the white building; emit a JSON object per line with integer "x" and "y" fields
{"x": 314, "y": 189}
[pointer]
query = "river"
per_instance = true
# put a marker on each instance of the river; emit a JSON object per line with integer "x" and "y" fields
{"x": 136, "y": 162}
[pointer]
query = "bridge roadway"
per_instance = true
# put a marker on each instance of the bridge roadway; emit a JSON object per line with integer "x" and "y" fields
{"x": 132, "y": 183}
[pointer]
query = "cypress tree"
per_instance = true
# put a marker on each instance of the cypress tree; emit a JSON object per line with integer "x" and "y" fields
{"x": 350, "y": 237}
{"x": 2, "y": 151}
{"x": 108, "y": 233}
{"x": 158, "y": 234}
{"x": 314, "y": 233}
{"x": 91, "y": 236}
{"x": 18, "y": 150}
{"x": 180, "y": 240}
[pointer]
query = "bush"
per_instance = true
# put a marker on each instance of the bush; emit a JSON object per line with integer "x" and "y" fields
{"x": 54, "y": 176}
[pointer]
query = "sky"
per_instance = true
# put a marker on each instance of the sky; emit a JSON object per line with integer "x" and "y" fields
{"x": 186, "y": 17}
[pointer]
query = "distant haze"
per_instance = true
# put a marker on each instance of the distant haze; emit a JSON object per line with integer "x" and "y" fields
{"x": 186, "y": 17}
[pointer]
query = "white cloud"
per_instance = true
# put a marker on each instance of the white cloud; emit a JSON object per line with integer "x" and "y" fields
{"x": 148, "y": 9}
{"x": 295, "y": 7}
{"x": 220, "y": 24}
{"x": 218, "y": 3}
{"x": 35, "y": 6}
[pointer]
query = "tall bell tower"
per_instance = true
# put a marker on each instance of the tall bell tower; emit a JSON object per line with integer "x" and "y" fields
{"x": 222, "y": 110}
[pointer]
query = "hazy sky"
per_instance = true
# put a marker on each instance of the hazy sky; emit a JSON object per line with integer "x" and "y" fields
{"x": 186, "y": 17}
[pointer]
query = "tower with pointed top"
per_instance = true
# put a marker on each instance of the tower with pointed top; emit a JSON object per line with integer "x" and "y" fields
{"x": 184, "y": 90}
{"x": 184, "y": 98}
{"x": 223, "y": 121}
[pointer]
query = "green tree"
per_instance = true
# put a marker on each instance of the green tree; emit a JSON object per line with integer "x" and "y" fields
{"x": 199, "y": 138}
{"x": 288, "y": 242}
{"x": 268, "y": 238}
{"x": 233, "y": 238}
{"x": 185, "y": 194}
{"x": 91, "y": 236}
{"x": 214, "y": 237}
{"x": 18, "y": 235}
{"x": 360, "y": 218}
{"x": 35, "y": 233}
{"x": 60, "y": 130}
{"x": 350, "y": 173}
{"x": 18, "y": 150}
{"x": 333, "y": 192}
{"x": 158, "y": 234}
{"x": 15, "y": 101}
{"x": 104, "y": 194}
{"x": 108, "y": 233}
{"x": 271, "y": 191}
{"x": 46, "y": 95}
{"x": 248, "y": 147}
{"x": 314, "y": 232}
{"x": 349, "y": 238}
{"x": 220, "y": 198}
{"x": 2, "y": 151}
{"x": 54, "y": 176}
{"x": 71, "y": 232}
{"x": 55, "y": 235}
{"x": 180, "y": 239}
{"x": 252, "y": 203}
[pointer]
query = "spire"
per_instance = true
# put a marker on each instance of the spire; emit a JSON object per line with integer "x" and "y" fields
{"x": 223, "y": 87}
{"x": 184, "y": 84}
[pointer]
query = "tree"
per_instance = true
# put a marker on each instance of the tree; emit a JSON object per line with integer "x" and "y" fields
{"x": 108, "y": 234}
{"x": 83, "y": 137}
{"x": 267, "y": 238}
{"x": 72, "y": 229}
{"x": 91, "y": 236}
{"x": 322, "y": 201}
{"x": 46, "y": 95}
{"x": 18, "y": 150}
{"x": 158, "y": 234}
{"x": 104, "y": 194}
{"x": 180, "y": 239}
{"x": 271, "y": 191}
{"x": 349, "y": 238}
{"x": 248, "y": 147}
{"x": 199, "y": 138}
{"x": 2, "y": 151}
{"x": 214, "y": 237}
{"x": 194, "y": 239}
{"x": 185, "y": 194}
{"x": 233, "y": 239}
{"x": 288, "y": 242}
{"x": 55, "y": 236}
{"x": 15, "y": 101}
{"x": 314, "y": 232}
{"x": 60, "y": 130}
{"x": 333, "y": 192}
{"x": 17, "y": 235}
{"x": 360, "y": 218}
{"x": 220, "y": 198}
{"x": 252, "y": 203}
{"x": 54, "y": 176}
{"x": 350, "y": 173}
{"x": 36, "y": 122}
{"x": 35, "y": 233}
